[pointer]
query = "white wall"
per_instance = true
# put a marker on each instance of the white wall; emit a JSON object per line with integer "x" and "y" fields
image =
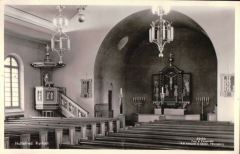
{"x": 220, "y": 27}
{"x": 29, "y": 51}
{"x": 80, "y": 65}
{"x": 84, "y": 47}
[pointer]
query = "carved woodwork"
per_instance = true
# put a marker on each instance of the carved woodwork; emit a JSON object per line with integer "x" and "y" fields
{"x": 175, "y": 84}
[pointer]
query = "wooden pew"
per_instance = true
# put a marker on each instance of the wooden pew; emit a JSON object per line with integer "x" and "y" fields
{"x": 42, "y": 126}
{"x": 167, "y": 135}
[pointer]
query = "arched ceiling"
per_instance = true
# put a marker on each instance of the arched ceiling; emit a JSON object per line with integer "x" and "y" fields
{"x": 127, "y": 59}
{"x": 135, "y": 27}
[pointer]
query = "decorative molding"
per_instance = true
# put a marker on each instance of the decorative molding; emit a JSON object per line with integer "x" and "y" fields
{"x": 44, "y": 39}
{"x": 17, "y": 16}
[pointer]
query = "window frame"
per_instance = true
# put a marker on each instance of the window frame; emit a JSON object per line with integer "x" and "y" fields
{"x": 11, "y": 77}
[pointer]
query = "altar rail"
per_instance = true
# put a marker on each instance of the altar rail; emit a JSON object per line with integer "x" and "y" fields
{"x": 39, "y": 132}
{"x": 69, "y": 108}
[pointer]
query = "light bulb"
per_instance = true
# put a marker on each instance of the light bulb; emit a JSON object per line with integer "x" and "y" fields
{"x": 160, "y": 54}
{"x": 66, "y": 22}
{"x": 166, "y": 9}
{"x": 81, "y": 17}
{"x": 60, "y": 22}
{"x": 55, "y": 22}
{"x": 161, "y": 9}
{"x": 155, "y": 9}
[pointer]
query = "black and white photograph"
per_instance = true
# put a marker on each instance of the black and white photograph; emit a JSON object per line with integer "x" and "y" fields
{"x": 148, "y": 75}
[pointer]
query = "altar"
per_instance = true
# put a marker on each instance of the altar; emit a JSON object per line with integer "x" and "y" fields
{"x": 171, "y": 90}
{"x": 169, "y": 111}
{"x": 157, "y": 117}
{"x": 171, "y": 94}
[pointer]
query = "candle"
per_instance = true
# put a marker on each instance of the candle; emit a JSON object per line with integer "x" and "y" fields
{"x": 121, "y": 93}
{"x": 156, "y": 34}
{"x": 61, "y": 21}
{"x": 163, "y": 30}
{"x": 169, "y": 33}
{"x": 162, "y": 91}
{"x": 68, "y": 41}
{"x": 52, "y": 43}
{"x": 172, "y": 32}
{"x": 60, "y": 43}
{"x": 150, "y": 35}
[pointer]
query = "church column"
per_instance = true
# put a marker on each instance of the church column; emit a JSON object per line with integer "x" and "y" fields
{"x": 58, "y": 137}
{"x": 84, "y": 132}
{"x": 25, "y": 141}
{"x": 102, "y": 125}
{"x": 94, "y": 128}
{"x": 43, "y": 136}
{"x": 110, "y": 126}
{"x": 6, "y": 142}
{"x": 72, "y": 135}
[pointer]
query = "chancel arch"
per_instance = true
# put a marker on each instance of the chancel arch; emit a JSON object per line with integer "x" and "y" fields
{"x": 131, "y": 67}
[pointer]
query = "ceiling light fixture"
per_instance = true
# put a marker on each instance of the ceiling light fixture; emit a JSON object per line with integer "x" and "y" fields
{"x": 81, "y": 16}
{"x": 60, "y": 41}
{"x": 161, "y": 31}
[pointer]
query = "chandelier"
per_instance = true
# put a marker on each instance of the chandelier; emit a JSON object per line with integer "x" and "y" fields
{"x": 60, "y": 41}
{"x": 161, "y": 31}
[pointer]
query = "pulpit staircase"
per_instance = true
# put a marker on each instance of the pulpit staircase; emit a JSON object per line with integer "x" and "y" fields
{"x": 69, "y": 108}
{"x": 53, "y": 102}
{"x": 166, "y": 134}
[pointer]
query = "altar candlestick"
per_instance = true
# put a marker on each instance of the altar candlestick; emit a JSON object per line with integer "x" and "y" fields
{"x": 68, "y": 41}
{"x": 121, "y": 92}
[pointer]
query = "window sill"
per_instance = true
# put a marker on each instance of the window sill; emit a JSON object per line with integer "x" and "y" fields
{"x": 14, "y": 112}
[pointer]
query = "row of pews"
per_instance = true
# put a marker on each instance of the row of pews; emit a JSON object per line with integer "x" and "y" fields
{"x": 42, "y": 132}
{"x": 111, "y": 133}
{"x": 166, "y": 135}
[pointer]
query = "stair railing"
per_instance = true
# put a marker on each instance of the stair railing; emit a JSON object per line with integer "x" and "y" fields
{"x": 70, "y": 108}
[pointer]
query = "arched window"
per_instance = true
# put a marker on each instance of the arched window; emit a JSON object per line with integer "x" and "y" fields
{"x": 11, "y": 83}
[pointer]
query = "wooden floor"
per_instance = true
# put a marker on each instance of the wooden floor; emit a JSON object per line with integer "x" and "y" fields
{"x": 166, "y": 135}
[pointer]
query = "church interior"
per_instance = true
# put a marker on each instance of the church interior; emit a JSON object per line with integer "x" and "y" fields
{"x": 119, "y": 77}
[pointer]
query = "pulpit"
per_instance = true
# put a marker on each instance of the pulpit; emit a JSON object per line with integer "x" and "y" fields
{"x": 46, "y": 95}
{"x": 46, "y": 98}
